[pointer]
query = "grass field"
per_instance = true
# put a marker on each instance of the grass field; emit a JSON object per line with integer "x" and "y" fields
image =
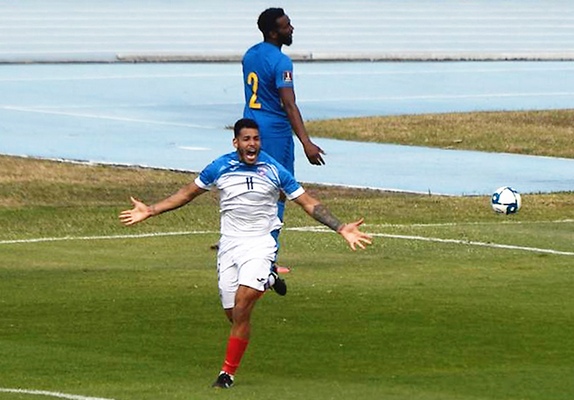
{"x": 431, "y": 311}
{"x": 544, "y": 133}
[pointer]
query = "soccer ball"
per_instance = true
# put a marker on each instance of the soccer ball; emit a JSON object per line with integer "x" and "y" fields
{"x": 505, "y": 200}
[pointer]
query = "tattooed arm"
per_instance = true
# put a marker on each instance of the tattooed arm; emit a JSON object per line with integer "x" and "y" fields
{"x": 321, "y": 214}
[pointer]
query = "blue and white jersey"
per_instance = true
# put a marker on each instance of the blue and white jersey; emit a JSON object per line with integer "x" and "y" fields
{"x": 265, "y": 70}
{"x": 248, "y": 194}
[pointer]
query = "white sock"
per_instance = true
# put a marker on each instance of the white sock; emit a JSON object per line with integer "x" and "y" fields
{"x": 270, "y": 281}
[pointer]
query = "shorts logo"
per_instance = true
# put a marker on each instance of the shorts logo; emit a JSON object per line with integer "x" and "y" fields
{"x": 287, "y": 76}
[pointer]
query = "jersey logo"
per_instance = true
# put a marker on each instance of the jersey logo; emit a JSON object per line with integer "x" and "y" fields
{"x": 288, "y": 76}
{"x": 262, "y": 170}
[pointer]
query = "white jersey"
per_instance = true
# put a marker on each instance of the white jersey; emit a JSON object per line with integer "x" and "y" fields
{"x": 248, "y": 194}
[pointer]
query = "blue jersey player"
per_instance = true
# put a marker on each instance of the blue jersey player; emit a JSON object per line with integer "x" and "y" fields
{"x": 270, "y": 95}
{"x": 249, "y": 183}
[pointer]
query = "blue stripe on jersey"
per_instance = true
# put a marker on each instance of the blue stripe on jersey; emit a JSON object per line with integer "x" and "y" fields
{"x": 266, "y": 166}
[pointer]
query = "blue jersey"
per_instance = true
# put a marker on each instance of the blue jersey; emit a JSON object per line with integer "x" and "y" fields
{"x": 248, "y": 193}
{"x": 265, "y": 70}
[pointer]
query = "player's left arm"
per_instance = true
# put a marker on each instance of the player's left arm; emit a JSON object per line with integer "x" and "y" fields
{"x": 321, "y": 214}
{"x": 312, "y": 151}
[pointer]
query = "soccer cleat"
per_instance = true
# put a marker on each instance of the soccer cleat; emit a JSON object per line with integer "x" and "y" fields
{"x": 279, "y": 287}
{"x": 223, "y": 381}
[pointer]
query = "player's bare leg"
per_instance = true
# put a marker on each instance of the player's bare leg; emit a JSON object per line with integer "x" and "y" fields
{"x": 240, "y": 315}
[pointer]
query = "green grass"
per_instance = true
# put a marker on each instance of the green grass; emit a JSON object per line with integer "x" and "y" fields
{"x": 139, "y": 318}
{"x": 547, "y": 133}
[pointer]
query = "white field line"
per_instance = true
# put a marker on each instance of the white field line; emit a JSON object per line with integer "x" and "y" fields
{"x": 473, "y": 243}
{"x": 455, "y": 241}
{"x": 110, "y": 237}
{"x": 320, "y": 229}
{"x": 50, "y": 394}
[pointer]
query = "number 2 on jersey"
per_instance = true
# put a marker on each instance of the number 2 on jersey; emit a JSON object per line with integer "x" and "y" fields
{"x": 253, "y": 81}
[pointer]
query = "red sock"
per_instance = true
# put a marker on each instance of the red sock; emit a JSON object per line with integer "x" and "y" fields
{"x": 235, "y": 349}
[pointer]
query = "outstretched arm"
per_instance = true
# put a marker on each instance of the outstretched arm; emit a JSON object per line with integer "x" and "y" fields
{"x": 312, "y": 151}
{"x": 141, "y": 211}
{"x": 320, "y": 213}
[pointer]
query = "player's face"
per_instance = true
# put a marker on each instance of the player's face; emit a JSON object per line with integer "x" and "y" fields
{"x": 248, "y": 145}
{"x": 284, "y": 30}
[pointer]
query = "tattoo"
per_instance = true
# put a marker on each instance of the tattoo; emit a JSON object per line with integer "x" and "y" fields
{"x": 324, "y": 216}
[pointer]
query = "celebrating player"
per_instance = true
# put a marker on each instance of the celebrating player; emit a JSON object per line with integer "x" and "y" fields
{"x": 249, "y": 183}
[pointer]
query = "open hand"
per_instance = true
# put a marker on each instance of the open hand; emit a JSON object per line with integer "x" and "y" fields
{"x": 354, "y": 236}
{"x": 137, "y": 214}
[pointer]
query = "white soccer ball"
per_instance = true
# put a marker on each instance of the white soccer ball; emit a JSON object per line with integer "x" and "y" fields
{"x": 506, "y": 200}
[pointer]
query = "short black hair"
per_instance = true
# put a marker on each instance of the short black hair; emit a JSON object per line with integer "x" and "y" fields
{"x": 267, "y": 21}
{"x": 244, "y": 123}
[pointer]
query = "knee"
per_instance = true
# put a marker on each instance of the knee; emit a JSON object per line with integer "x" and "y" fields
{"x": 242, "y": 310}
{"x": 240, "y": 313}
{"x": 229, "y": 314}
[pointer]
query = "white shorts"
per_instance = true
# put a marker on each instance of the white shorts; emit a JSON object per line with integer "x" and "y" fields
{"x": 243, "y": 261}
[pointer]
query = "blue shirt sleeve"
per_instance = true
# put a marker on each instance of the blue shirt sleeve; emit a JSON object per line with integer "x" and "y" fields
{"x": 284, "y": 72}
{"x": 290, "y": 186}
{"x": 213, "y": 171}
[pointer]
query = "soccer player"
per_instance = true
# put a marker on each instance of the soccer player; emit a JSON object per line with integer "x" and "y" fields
{"x": 270, "y": 95}
{"x": 249, "y": 182}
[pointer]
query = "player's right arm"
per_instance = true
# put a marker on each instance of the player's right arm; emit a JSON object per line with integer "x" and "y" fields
{"x": 142, "y": 211}
{"x": 312, "y": 151}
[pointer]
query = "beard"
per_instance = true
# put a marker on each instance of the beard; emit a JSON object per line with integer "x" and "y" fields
{"x": 286, "y": 40}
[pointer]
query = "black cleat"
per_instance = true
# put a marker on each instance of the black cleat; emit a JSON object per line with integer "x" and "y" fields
{"x": 223, "y": 381}
{"x": 279, "y": 287}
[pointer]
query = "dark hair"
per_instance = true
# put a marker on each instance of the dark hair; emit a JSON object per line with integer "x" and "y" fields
{"x": 244, "y": 123}
{"x": 267, "y": 21}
